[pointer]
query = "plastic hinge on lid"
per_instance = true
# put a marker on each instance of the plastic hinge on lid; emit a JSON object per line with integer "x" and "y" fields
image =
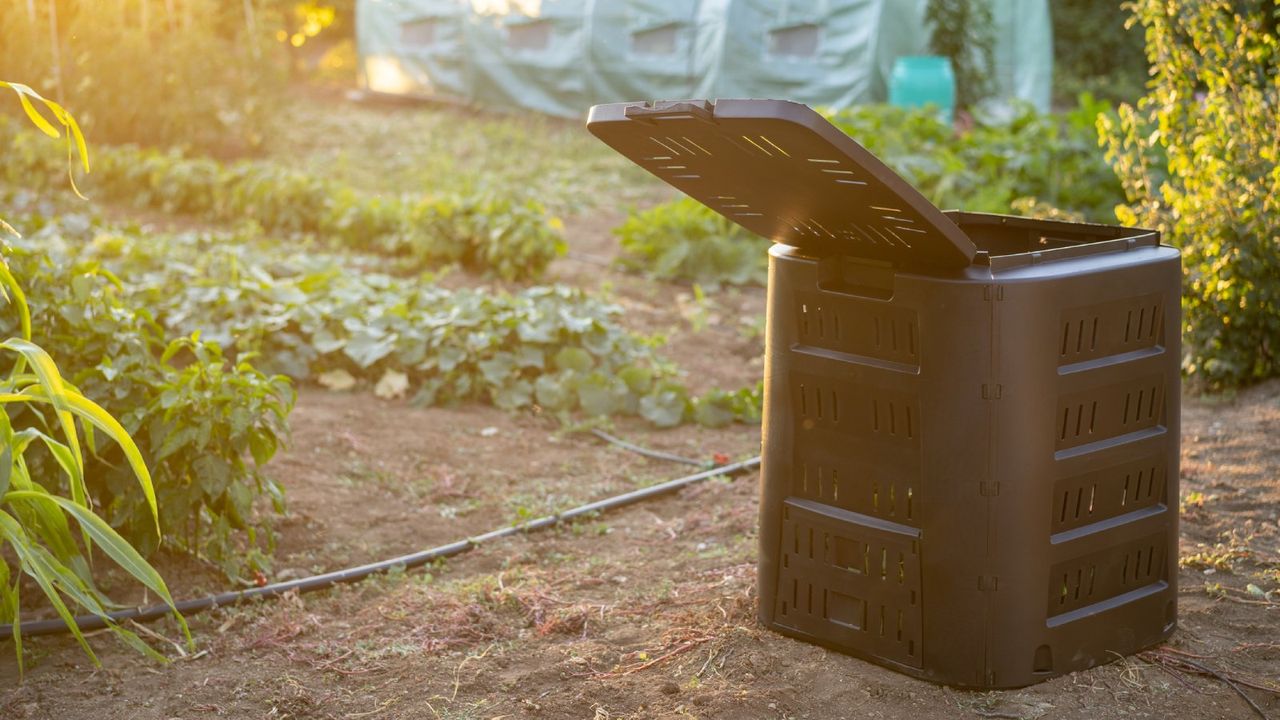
{"x": 703, "y": 110}
{"x": 782, "y": 171}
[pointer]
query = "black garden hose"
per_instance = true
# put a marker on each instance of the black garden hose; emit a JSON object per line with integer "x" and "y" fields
{"x": 655, "y": 454}
{"x": 318, "y": 582}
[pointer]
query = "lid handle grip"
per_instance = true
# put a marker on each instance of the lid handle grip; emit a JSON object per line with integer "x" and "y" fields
{"x": 702, "y": 110}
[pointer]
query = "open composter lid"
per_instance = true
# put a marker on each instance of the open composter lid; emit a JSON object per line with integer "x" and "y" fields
{"x": 781, "y": 170}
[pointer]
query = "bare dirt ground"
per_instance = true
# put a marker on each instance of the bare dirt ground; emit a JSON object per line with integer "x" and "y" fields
{"x": 647, "y": 612}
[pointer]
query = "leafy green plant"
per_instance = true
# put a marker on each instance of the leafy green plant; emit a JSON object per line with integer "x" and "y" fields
{"x": 324, "y": 319}
{"x": 39, "y": 406}
{"x": 485, "y": 232}
{"x": 686, "y": 240}
{"x": 963, "y": 31}
{"x": 1011, "y": 152}
{"x": 34, "y": 518}
{"x": 204, "y": 425}
{"x": 1199, "y": 158}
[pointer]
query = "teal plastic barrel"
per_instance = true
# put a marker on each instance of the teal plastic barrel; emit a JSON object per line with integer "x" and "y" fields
{"x": 920, "y": 80}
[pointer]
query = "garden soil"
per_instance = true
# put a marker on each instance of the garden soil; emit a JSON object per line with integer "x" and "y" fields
{"x": 645, "y": 612}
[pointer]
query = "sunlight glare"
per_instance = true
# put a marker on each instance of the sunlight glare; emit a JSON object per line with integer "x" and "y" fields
{"x": 384, "y": 74}
{"x": 528, "y": 8}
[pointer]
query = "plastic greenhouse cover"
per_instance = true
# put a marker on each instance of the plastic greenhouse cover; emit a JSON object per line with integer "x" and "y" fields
{"x": 559, "y": 57}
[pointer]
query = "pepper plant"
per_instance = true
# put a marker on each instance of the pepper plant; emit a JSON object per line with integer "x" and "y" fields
{"x": 41, "y": 409}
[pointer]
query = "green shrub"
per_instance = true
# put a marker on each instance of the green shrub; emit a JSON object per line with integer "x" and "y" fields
{"x": 39, "y": 407}
{"x": 686, "y": 240}
{"x": 203, "y": 425}
{"x": 487, "y": 233}
{"x": 1198, "y": 157}
{"x": 1011, "y": 152}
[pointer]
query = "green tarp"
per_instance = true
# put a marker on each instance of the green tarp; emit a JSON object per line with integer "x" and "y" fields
{"x": 561, "y": 56}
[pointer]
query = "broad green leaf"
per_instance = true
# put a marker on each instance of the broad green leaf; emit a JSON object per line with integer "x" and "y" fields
{"x": 262, "y": 445}
{"x": 553, "y": 392}
{"x": 638, "y": 379}
{"x": 600, "y": 394}
{"x": 367, "y": 348}
{"x": 713, "y": 411}
{"x": 213, "y": 474}
{"x": 572, "y": 358}
{"x": 513, "y": 395}
{"x": 665, "y": 407}
{"x": 497, "y": 369}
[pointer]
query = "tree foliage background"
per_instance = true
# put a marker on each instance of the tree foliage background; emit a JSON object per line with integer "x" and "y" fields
{"x": 1096, "y": 51}
{"x": 206, "y": 75}
{"x": 1197, "y": 157}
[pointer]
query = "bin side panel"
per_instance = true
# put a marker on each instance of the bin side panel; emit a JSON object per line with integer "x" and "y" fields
{"x": 875, "y": 453}
{"x": 1086, "y": 439}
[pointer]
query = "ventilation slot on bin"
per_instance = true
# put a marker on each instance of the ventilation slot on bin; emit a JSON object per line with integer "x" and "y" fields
{"x": 1106, "y": 574}
{"x": 857, "y": 327}
{"x": 1104, "y": 494}
{"x": 1113, "y": 328}
{"x": 850, "y": 409}
{"x": 869, "y": 479}
{"x": 851, "y": 583}
{"x": 1109, "y": 412}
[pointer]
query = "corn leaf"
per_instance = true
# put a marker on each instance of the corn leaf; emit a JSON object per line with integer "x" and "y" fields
{"x": 9, "y": 604}
{"x": 54, "y": 528}
{"x": 75, "y": 137}
{"x": 19, "y": 300}
{"x": 51, "y": 379}
{"x": 91, "y": 411}
{"x": 11, "y": 530}
{"x": 24, "y": 96}
{"x": 105, "y": 537}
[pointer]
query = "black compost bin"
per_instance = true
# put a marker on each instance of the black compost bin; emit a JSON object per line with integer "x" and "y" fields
{"x": 970, "y": 464}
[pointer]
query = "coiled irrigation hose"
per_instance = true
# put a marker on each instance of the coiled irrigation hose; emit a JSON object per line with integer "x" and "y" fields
{"x": 318, "y": 582}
